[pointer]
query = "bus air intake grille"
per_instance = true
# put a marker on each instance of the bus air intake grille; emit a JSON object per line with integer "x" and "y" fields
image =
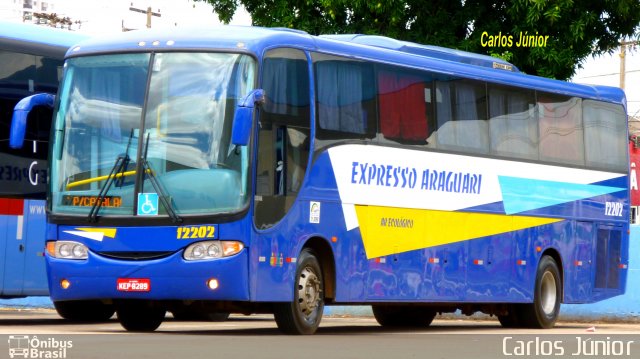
{"x": 136, "y": 256}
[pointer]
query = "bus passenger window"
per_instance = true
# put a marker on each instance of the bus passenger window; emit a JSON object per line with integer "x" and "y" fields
{"x": 345, "y": 98}
{"x": 605, "y": 135}
{"x": 561, "y": 134}
{"x": 461, "y": 112}
{"x": 513, "y": 127}
{"x": 404, "y": 103}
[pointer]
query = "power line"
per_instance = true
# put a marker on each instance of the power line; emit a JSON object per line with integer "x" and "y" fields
{"x": 603, "y": 75}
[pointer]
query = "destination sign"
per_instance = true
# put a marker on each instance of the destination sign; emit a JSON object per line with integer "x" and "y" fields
{"x": 90, "y": 201}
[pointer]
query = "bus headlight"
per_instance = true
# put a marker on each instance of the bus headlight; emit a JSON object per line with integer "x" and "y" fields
{"x": 67, "y": 250}
{"x": 212, "y": 250}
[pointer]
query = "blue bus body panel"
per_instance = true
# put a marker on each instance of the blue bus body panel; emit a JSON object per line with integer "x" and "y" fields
{"x": 23, "y": 270}
{"x": 170, "y": 278}
{"x": 39, "y": 34}
{"x": 479, "y": 269}
{"x": 37, "y": 40}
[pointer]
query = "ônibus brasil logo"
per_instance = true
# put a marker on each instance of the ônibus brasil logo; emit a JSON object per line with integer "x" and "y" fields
{"x": 31, "y": 347}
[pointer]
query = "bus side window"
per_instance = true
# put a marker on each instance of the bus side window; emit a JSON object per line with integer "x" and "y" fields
{"x": 461, "y": 112}
{"x": 513, "y": 126}
{"x": 283, "y": 138}
{"x": 561, "y": 132}
{"x": 345, "y": 99}
{"x": 605, "y": 134}
{"x": 404, "y": 105}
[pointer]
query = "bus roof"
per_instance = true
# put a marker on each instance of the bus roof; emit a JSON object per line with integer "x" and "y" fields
{"x": 37, "y": 40}
{"x": 438, "y": 52}
{"x": 257, "y": 40}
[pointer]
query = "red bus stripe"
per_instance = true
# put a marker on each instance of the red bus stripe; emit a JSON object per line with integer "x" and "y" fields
{"x": 11, "y": 206}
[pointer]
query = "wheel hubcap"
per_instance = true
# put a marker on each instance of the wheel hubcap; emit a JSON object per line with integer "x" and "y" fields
{"x": 548, "y": 293}
{"x": 309, "y": 292}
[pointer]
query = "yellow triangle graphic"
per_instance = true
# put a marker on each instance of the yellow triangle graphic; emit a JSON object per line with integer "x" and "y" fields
{"x": 108, "y": 232}
{"x": 389, "y": 230}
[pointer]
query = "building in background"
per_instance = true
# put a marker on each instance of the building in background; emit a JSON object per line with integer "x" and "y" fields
{"x": 24, "y": 10}
{"x": 96, "y": 17}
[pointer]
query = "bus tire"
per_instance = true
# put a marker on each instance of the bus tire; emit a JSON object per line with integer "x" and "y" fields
{"x": 543, "y": 312}
{"x": 84, "y": 310}
{"x": 140, "y": 316}
{"x": 403, "y": 316}
{"x": 303, "y": 315}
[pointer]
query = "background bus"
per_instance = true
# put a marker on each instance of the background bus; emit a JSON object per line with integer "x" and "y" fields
{"x": 370, "y": 171}
{"x": 31, "y": 59}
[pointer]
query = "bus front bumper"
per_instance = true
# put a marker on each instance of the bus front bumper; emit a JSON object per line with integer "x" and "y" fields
{"x": 169, "y": 278}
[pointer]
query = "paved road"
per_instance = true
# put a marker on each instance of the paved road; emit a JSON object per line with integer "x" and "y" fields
{"x": 257, "y": 337}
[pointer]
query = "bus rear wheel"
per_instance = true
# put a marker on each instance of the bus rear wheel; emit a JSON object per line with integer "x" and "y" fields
{"x": 403, "y": 316}
{"x": 303, "y": 315}
{"x": 140, "y": 316}
{"x": 84, "y": 310}
{"x": 543, "y": 312}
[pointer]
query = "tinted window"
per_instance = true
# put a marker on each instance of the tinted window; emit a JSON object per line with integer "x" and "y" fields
{"x": 461, "y": 112}
{"x": 17, "y": 74}
{"x": 561, "y": 135}
{"x": 513, "y": 127}
{"x": 23, "y": 172}
{"x": 405, "y": 105}
{"x": 48, "y": 73}
{"x": 605, "y": 134}
{"x": 345, "y": 97}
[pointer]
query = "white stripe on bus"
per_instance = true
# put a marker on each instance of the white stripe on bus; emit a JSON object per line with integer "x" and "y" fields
{"x": 19, "y": 228}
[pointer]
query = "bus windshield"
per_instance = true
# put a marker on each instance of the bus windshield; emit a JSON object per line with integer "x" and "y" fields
{"x": 167, "y": 116}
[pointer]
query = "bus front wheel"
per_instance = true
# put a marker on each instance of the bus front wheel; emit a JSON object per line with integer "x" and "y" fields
{"x": 84, "y": 310}
{"x": 303, "y": 315}
{"x": 140, "y": 316}
{"x": 544, "y": 310}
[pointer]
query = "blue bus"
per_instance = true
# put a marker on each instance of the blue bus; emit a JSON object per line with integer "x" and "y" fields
{"x": 31, "y": 60}
{"x": 255, "y": 170}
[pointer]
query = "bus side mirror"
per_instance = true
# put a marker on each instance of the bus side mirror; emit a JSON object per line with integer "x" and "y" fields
{"x": 241, "y": 131}
{"x": 20, "y": 114}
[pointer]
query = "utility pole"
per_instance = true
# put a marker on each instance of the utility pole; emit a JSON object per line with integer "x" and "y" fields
{"x": 148, "y": 12}
{"x": 623, "y": 62}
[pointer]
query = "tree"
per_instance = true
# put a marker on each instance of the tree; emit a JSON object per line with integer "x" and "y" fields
{"x": 53, "y": 20}
{"x": 575, "y": 29}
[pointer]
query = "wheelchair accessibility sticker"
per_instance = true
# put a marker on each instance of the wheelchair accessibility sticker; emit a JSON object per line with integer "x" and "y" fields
{"x": 147, "y": 204}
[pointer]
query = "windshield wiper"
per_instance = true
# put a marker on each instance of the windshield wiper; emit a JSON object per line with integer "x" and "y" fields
{"x": 146, "y": 168}
{"x": 119, "y": 167}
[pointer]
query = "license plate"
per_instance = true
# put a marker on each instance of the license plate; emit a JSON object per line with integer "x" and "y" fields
{"x": 134, "y": 285}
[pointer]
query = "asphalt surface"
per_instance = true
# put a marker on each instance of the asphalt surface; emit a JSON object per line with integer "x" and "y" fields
{"x": 45, "y": 335}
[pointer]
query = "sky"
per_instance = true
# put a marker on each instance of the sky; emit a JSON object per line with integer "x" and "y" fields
{"x": 605, "y": 70}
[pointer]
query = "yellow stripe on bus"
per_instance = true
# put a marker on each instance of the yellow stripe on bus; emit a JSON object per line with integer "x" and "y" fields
{"x": 389, "y": 230}
{"x": 108, "y": 232}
